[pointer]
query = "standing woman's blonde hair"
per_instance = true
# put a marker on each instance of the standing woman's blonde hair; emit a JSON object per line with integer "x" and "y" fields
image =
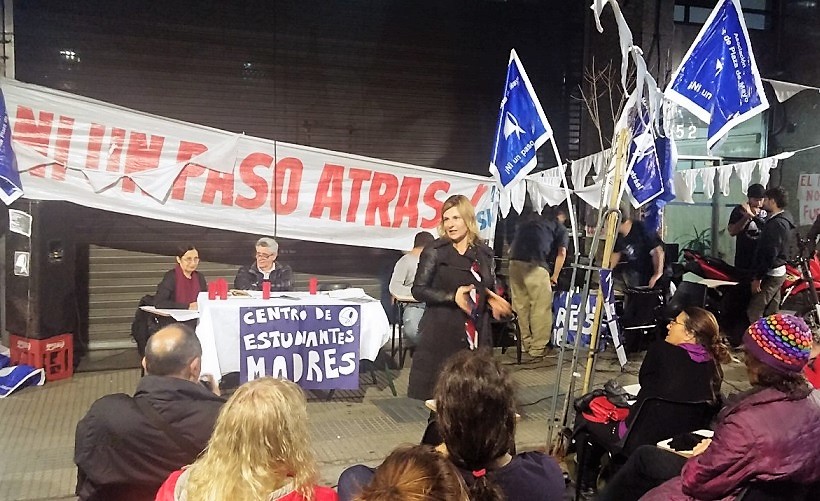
{"x": 466, "y": 211}
{"x": 259, "y": 444}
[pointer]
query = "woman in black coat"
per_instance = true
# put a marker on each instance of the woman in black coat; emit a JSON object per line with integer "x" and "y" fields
{"x": 455, "y": 278}
{"x": 684, "y": 367}
{"x": 181, "y": 285}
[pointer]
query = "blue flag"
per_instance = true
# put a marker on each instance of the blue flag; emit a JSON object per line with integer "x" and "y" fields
{"x": 10, "y": 186}
{"x": 522, "y": 127}
{"x": 718, "y": 80}
{"x": 645, "y": 180}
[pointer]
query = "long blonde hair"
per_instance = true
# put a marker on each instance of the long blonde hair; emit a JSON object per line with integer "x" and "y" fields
{"x": 259, "y": 444}
{"x": 467, "y": 213}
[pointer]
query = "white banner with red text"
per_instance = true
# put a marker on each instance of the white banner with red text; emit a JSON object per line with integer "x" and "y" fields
{"x": 107, "y": 157}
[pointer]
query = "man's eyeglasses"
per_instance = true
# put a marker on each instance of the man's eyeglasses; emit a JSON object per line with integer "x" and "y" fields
{"x": 262, "y": 255}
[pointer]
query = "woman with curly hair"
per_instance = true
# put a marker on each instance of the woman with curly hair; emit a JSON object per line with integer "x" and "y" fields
{"x": 417, "y": 473}
{"x": 768, "y": 433}
{"x": 260, "y": 450}
{"x": 684, "y": 367}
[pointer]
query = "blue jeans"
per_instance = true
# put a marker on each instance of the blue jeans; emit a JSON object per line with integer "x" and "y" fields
{"x": 410, "y": 323}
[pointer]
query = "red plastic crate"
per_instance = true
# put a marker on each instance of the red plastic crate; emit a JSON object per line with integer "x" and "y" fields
{"x": 55, "y": 354}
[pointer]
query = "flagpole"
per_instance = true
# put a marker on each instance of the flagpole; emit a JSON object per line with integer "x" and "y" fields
{"x": 622, "y": 145}
{"x": 567, "y": 302}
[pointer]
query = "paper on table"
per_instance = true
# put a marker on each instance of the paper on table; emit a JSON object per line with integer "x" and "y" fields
{"x": 350, "y": 292}
{"x": 664, "y": 444}
{"x": 179, "y": 315}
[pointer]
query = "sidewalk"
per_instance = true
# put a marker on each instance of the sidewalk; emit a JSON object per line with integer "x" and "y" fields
{"x": 360, "y": 426}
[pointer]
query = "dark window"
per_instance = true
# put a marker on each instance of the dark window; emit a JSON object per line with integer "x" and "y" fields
{"x": 758, "y": 13}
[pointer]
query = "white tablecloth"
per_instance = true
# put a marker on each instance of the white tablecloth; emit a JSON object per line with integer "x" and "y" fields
{"x": 218, "y": 329}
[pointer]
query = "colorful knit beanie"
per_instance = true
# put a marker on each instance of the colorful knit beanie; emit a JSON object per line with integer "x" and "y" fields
{"x": 783, "y": 342}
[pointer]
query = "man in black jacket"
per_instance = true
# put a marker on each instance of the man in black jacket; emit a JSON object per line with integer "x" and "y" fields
{"x": 125, "y": 447}
{"x": 771, "y": 253}
{"x": 265, "y": 269}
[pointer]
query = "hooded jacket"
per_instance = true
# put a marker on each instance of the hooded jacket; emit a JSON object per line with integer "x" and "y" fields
{"x": 773, "y": 244}
{"x": 764, "y": 437}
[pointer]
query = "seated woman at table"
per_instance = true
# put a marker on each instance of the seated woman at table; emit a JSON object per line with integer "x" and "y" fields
{"x": 684, "y": 367}
{"x": 259, "y": 450}
{"x": 181, "y": 285}
{"x": 769, "y": 433}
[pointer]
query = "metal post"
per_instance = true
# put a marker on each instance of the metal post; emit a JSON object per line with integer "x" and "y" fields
{"x": 8, "y": 72}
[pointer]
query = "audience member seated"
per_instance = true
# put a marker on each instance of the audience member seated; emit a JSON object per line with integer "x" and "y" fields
{"x": 684, "y": 367}
{"x": 125, "y": 447}
{"x": 415, "y": 473}
{"x": 260, "y": 450}
{"x": 768, "y": 433}
{"x": 475, "y": 401}
{"x": 475, "y": 411}
{"x": 180, "y": 286}
{"x": 265, "y": 269}
{"x": 402, "y": 281}
{"x": 637, "y": 259}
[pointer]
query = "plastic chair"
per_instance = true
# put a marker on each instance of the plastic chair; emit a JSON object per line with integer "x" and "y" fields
{"x": 398, "y": 336}
{"x": 656, "y": 419}
{"x": 506, "y": 333}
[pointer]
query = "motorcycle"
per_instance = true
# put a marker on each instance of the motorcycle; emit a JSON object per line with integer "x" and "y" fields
{"x": 799, "y": 291}
{"x": 728, "y": 302}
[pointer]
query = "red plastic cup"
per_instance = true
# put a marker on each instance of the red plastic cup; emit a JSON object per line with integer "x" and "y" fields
{"x": 212, "y": 290}
{"x": 223, "y": 288}
{"x": 266, "y": 290}
{"x": 313, "y": 285}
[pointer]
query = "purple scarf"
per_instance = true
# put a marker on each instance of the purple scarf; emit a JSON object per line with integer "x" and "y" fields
{"x": 697, "y": 352}
{"x": 187, "y": 289}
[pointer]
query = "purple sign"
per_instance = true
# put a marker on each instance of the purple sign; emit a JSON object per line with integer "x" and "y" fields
{"x": 315, "y": 346}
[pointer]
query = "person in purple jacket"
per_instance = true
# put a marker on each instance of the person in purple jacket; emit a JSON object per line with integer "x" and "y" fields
{"x": 769, "y": 433}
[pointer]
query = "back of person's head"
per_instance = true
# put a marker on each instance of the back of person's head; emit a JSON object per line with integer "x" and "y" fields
{"x": 704, "y": 326}
{"x": 260, "y": 443}
{"x": 779, "y": 196}
{"x": 174, "y": 351}
{"x": 423, "y": 238}
{"x": 777, "y": 350}
{"x": 475, "y": 405}
{"x": 465, "y": 210}
{"x": 415, "y": 473}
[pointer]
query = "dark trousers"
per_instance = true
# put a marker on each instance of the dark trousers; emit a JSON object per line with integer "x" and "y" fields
{"x": 592, "y": 441}
{"x": 647, "y": 468}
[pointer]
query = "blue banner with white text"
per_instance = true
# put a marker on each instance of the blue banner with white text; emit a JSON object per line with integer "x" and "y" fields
{"x": 315, "y": 346}
{"x": 522, "y": 127}
{"x": 718, "y": 80}
{"x": 10, "y": 186}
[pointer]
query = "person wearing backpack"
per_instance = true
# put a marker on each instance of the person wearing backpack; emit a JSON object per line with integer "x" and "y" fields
{"x": 771, "y": 254}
